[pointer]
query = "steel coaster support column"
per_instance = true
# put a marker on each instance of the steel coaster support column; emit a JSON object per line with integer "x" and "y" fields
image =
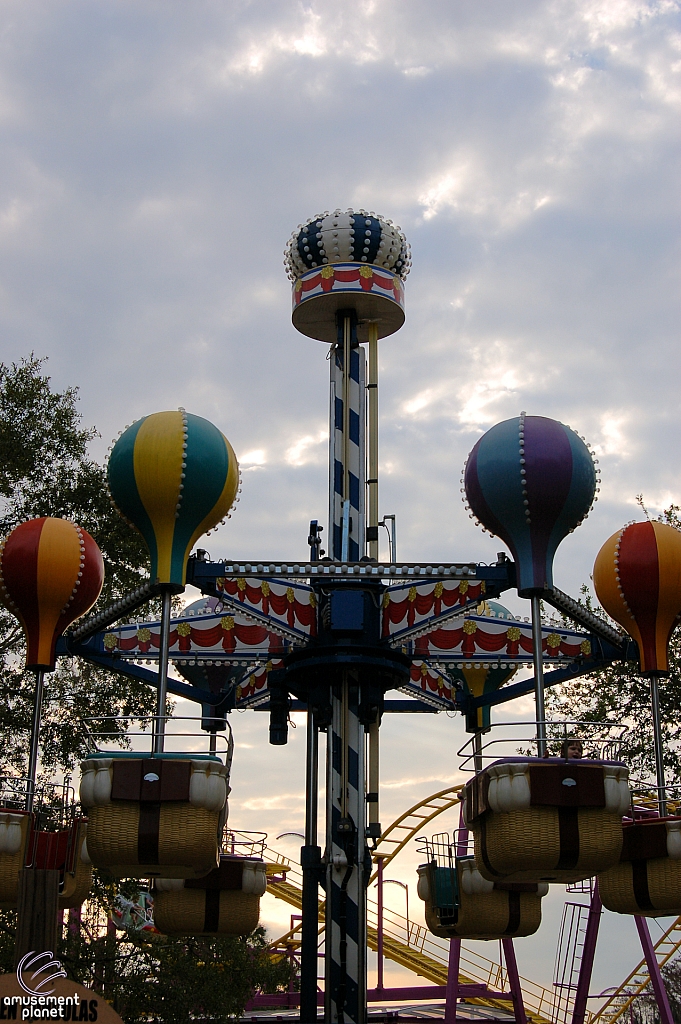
{"x": 372, "y": 388}
{"x": 588, "y": 955}
{"x": 452, "y": 991}
{"x": 659, "y": 748}
{"x": 346, "y": 879}
{"x": 379, "y": 944}
{"x": 160, "y": 721}
{"x": 654, "y": 971}
{"x": 538, "y": 675}
{"x": 35, "y": 738}
{"x": 347, "y": 442}
{"x": 310, "y": 859}
{"x": 514, "y": 981}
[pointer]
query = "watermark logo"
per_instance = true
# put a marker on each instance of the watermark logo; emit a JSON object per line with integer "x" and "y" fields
{"x": 43, "y": 964}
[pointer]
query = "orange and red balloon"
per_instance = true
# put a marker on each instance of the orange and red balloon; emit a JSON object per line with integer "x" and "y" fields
{"x": 51, "y": 572}
{"x": 637, "y": 576}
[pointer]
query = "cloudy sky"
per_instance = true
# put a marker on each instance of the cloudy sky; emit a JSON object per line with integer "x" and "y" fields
{"x": 156, "y": 156}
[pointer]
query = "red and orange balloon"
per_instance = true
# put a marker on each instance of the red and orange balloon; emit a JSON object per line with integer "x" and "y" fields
{"x": 637, "y": 576}
{"x": 51, "y": 572}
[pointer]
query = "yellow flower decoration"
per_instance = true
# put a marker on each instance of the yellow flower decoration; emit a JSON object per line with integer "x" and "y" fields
{"x": 220, "y": 583}
{"x": 366, "y": 272}
{"x": 227, "y": 622}
{"x": 411, "y": 596}
{"x": 424, "y": 669}
{"x": 327, "y": 272}
{"x": 585, "y": 647}
{"x": 299, "y": 285}
{"x": 290, "y": 596}
{"x": 143, "y": 635}
{"x": 553, "y": 640}
{"x": 239, "y": 691}
{"x": 313, "y": 600}
{"x": 265, "y": 588}
{"x": 183, "y": 629}
{"x": 241, "y": 583}
{"x": 110, "y": 642}
{"x": 386, "y": 599}
{"x": 513, "y": 633}
{"x": 470, "y": 626}
{"x": 463, "y": 587}
{"x": 439, "y": 587}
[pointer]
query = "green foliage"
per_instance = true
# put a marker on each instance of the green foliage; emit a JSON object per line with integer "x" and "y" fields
{"x": 45, "y": 469}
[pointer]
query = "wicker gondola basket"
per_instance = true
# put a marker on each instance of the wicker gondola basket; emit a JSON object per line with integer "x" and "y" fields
{"x": 155, "y": 817}
{"x": 15, "y": 830}
{"x": 547, "y": 820}
{"x": 478, "y": 908}
{"x": 647, "y": 879}
{"x": 225, "y": 902}
{"x": 77, "y": 880}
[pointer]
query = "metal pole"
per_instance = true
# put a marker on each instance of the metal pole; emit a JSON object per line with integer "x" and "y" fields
{"x": 659, "y": 749}
{"x": 452, "y": 991}
{"x": 588, "y": 954}
{"x": 372, "y": 388}
{"x": 379, "y": 951}
{"x": 160, "y": 722}
{"x": 35, "y": 737}
{"x": 514, "y": 981}
{"x": 538, "y": 675}
{"x": 656, "y": 978}
{"x": 374, "y": 824}
{"x": 477, "y": 752}
{"x": 310, "y": 859}
{"x": 347, "y": 339}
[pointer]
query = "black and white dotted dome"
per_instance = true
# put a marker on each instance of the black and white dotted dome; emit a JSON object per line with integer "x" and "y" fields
{"x": 350, "y": 237}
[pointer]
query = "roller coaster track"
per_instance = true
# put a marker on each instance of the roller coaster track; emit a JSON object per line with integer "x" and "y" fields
{"x": 406, "y": 827}
{"x": 617, "y": 1004}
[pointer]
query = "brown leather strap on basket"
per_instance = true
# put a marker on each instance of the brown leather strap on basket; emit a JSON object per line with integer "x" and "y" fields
{"x": 639, "y": 872}
{"x": 567, "y": 785}
{"x": 513, "y": 913}
{"x": 644, "y": 841}
{"x": 147, "y": 833}
{"x": 150, "y": 779}
{"x": 483, "y": 848}
{"x": 568, "y": 832}
{"x": 227, "y": 876}
{"x": 211, "y": 920}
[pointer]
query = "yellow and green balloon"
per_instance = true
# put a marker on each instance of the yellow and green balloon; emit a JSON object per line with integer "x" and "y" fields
{"x": 173, "y": 476}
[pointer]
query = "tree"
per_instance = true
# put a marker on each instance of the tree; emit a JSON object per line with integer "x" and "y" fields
{"x": 46, "y": 470}
{"x": 619, "y": 694}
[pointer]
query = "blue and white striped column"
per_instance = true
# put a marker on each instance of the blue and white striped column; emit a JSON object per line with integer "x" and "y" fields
{"x": 345, "y": 959}
{"x": 347, "y": 445}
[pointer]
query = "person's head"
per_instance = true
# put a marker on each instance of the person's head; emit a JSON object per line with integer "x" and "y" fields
{"x": 572, "y": 748}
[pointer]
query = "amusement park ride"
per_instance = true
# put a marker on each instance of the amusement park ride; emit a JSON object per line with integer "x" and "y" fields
{"x": 332, "y": 634}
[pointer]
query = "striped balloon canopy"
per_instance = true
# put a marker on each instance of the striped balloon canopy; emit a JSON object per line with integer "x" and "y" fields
{"x": 173, "y": 476}
{"x": 51, "y": 572}
{"x": 477, "y": 678}
{"x": 637, "y": 576}
{"x": 530, "y": 480}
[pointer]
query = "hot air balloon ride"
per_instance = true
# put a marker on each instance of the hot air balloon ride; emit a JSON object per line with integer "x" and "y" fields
{"x": 461, "y": 904}
{"x": 51, "y": 572}
{"x": 531, "y": 480}
{"x": 173, "y": 476}
{"x": 225, "y": 902}
{"x": 637, "y": 577}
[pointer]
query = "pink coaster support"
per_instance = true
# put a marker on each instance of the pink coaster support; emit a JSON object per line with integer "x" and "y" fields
{"x": 452, "y": 996}
{"x": 588, "y": 955}
{"x": 514, "y": 981}
{"x": 654, "y": 971}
